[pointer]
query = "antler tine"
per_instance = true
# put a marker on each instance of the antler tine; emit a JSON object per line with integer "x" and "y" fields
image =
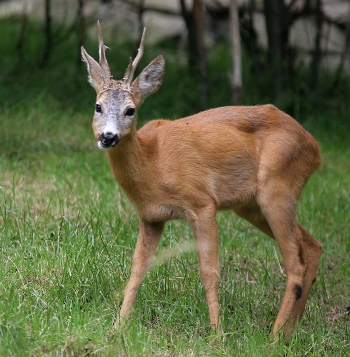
{"x": 132, "y": 66}
{"x": 102, "y": 48}
{"x": 127, "y": 72}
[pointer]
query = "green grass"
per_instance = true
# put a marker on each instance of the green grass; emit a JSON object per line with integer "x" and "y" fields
{"x": 67, "y": 235}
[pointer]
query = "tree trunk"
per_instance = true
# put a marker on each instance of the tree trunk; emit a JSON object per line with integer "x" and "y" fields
{"x": 48, "y": 33}
{"x": 196, "y": 48}
{"x": 249, "y": 36}
{"x": 81, "y": 29}
{"x": 317, "y": 55}
{"x": 277, "y": 27}
{"x": 140, "y": 11}
{"x": 22, "y": 31}
{"x": 236, "y": 77}
{"x": 343, "y": 58}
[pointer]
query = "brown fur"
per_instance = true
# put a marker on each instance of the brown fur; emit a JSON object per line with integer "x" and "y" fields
{"x": 252, "y": 160}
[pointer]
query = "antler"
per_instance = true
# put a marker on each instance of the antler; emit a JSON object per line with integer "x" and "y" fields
{"x": 129, "y": 73}
{"x": 103, "y": 61}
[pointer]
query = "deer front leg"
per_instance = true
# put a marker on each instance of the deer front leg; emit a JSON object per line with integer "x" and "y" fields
{"x": 146, "y": 245}
{"x": 206, "y": 233}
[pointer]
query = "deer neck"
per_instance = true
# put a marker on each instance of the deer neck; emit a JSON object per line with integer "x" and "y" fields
{"x": 128, "y": 162}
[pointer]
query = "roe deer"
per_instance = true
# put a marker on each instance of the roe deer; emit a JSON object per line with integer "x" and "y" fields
{"x": 253, "y": 160}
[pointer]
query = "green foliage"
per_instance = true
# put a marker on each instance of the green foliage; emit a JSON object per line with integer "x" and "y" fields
{"x": 67, "y": 233}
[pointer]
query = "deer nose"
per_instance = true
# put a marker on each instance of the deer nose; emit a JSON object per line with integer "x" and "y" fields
{"x": 108, "y": 139}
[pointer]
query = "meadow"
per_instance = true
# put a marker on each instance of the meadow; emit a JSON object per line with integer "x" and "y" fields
{"x": 67, "y": 232}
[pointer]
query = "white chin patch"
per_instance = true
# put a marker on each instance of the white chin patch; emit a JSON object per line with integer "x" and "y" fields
{"x": 101, "y": 147}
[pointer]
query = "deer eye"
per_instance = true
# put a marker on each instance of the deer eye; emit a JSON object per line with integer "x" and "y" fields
{"x": 130, "y": 112}
{"x": 98, "y": 108}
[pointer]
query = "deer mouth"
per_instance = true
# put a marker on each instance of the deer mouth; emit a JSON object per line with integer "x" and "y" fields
{"x": 108, "y": 140}
{"x": 103, "y": 146}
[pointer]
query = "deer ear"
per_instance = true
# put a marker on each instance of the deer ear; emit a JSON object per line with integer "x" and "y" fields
{"x": 149, "y": 80}
{"x": 94, "y": 70}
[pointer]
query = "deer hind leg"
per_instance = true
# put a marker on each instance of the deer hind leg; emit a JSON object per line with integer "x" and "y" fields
{"x": 311, "y": 253}
{"x": 146, "y": 245}
{"x": 206, "y": 234}
{"x": 279, "y": 207}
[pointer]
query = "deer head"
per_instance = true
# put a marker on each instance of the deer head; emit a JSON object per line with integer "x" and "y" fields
{"x": 118, "y": 100}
